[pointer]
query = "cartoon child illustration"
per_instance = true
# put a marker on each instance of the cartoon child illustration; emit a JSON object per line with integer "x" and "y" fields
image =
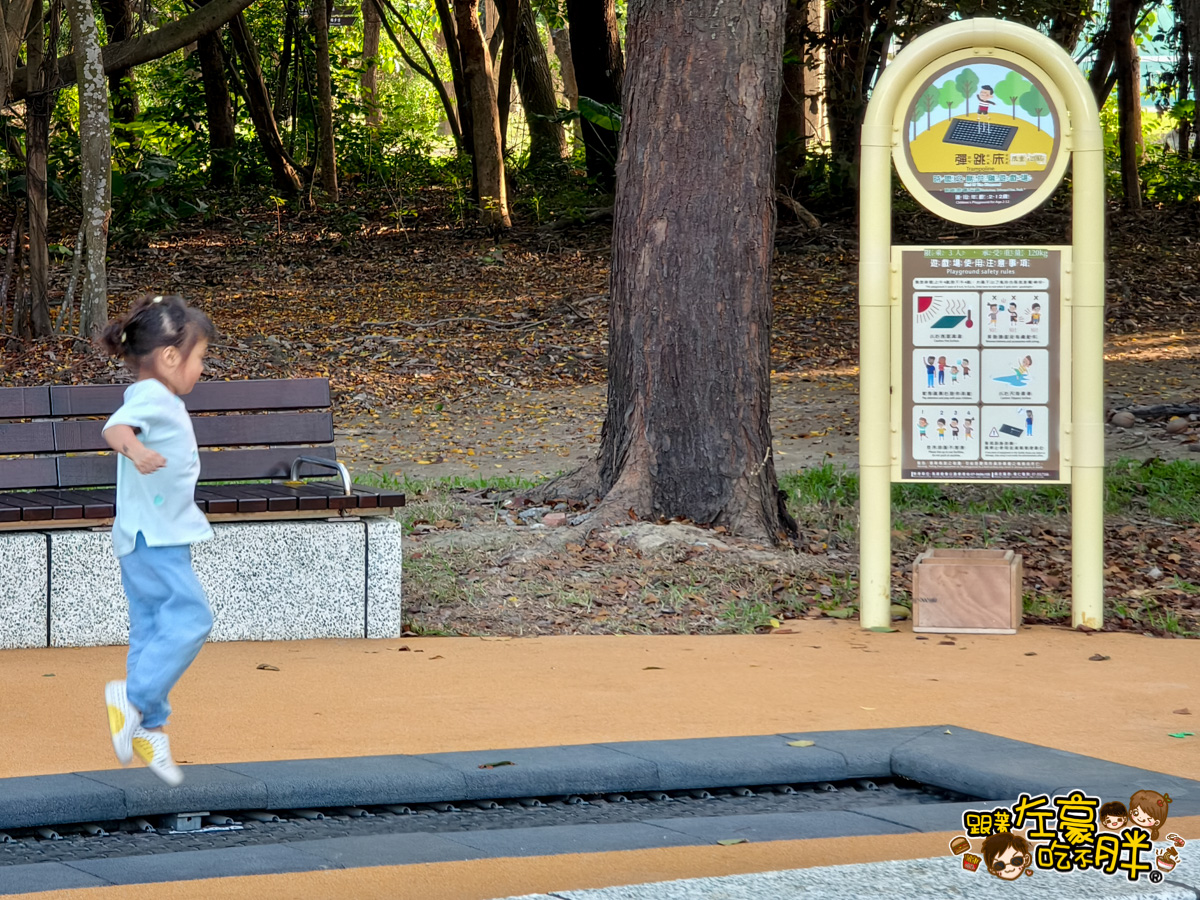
{"x": 1035, "y": 314}
{"x": 1013, "y": 315}
{"x": 1006, "y": 855}
{"x": 993, "y": 311}
{"x": 1149, "y": 810}
{"x": 954, "y": 374}
{"x": 969, "y": 428}
{"x": 986, "y": 103}
{"x": 1113, "y": 815}
{"x": 941, "y": 429}
{"x": 923, "y": 423}
{"x": 941, "y": 370}
{"x": 930, "y": 368}
{"x": 954, "y": 428}
{"x": 1023, "y": 368}
{"x": 1029, "y": 423}
{"x": 966, "y": 369}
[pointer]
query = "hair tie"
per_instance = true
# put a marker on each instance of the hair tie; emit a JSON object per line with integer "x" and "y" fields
{"x": 157, "y": 299}
{"x": 122, "y": 337}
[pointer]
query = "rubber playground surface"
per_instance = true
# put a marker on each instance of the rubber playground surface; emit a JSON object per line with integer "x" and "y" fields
{"x": 1117, "y": 697}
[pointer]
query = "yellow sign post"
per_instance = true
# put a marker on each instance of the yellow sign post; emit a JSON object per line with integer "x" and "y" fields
{"x": 981, "y": 117}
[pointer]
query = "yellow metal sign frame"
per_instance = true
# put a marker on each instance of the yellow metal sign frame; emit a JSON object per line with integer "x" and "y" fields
{"x": 1083, "y": 142}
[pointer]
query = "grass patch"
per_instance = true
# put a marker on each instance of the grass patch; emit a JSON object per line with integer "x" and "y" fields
{"x": 1166, "y": 490}
{"x": 410, "y": 485}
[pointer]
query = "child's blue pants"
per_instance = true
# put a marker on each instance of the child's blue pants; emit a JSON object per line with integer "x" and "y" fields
{"x": 169, "y": 619}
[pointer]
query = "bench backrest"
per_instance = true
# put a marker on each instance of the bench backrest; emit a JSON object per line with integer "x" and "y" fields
{"x": 57, "y": 446}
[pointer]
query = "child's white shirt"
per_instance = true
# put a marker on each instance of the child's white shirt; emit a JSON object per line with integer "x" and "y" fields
{"x": 161, "y": 505}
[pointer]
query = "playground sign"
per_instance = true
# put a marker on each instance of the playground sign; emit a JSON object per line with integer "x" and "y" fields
{"x": 983, "y": 138}
{"x": 982, "y": 362}
{"x": 978, "y": 359}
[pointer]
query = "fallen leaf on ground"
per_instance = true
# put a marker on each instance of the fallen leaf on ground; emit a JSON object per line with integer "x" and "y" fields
{"x": 647, "y": 668}
{"x": 729, "y": 842}
{"x": 437, "y": 657}
{"x": 1098, "y": 657}
{"x": 268, "y": 668}
{"x": 497, "y": 765}
{"x": 1183, "y": 712}
{"x": 801, "y": 743}
{"x": 1182, "y": 734}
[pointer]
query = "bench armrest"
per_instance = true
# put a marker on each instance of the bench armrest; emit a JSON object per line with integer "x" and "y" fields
{"x": 328, "y": 464}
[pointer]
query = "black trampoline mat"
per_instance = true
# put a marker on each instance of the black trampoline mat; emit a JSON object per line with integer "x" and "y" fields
{"x": 975, "y": 133}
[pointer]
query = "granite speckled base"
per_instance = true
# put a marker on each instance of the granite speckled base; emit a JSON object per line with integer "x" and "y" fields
{"x": 22, "y": 591}
{"x": 265, "y": 580}
{"x": 384, "y": 558}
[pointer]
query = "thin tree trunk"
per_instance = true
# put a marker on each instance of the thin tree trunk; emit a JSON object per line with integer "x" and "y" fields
{"x": 328, "y": 153}
{"x": 687, "y": 431}
{"x": 95, "y": 134}
{"x": 428, "y": 71}
{"x": 10, "y": 256}
{"x": 222, "y": 137}
{"x": 462, "y": 96}
{"x": 1101, "y": 78}
{"x": 566, "y": 64}
{"x": 257, "y": 98}
{"x": 485, "y": 118}
{"x": 1067, "y": 26}
{"x": 791, "y": 135}
{"x": 37, "y": 146}
{"x": 118, "y": 23}
{"x": 64, "y": 311}
{"x": 506, "y": 28}
{"x": 547, "y": 140}
{"x": 283, "y": 74}
{"x": 370, "y": 75}
{"x": 1129, "y": 98}
{"x": 15, "y": 22}
{"x": 1189, "y": 11}
{"x": 599, "y": 74}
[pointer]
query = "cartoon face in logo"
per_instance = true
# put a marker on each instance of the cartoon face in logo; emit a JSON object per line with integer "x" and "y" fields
{"x": 1006, "y": 855}
{"x": 1149, "y": 810}
{"x": 1113, "y": 815}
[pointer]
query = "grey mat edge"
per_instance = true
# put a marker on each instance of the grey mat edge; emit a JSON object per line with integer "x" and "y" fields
{"x": 944, "y": 756}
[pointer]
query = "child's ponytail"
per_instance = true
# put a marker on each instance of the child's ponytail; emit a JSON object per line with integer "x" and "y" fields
{"x": 110, "y": 338}
{"x": 155, "y": 321}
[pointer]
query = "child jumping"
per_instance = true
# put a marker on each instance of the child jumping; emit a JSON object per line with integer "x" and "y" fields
{"x": 163, "y": 342}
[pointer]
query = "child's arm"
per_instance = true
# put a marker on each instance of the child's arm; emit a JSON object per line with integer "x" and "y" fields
{"x": 123, "y": 440}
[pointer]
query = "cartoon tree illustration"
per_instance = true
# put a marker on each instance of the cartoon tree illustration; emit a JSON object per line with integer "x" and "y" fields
{"x": 949, "y": 96}
{"x": 967, "y": 82}
{"x": 1011, "y": 89}
{"x": 1035, "y": 104}
{"x": 927, "y": 103}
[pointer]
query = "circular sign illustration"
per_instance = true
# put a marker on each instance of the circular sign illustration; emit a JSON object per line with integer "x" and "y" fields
{"x": 982, "y": 138}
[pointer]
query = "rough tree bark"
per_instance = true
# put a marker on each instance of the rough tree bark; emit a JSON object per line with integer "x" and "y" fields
{"x": 37, "y": 146}
{"x": 599, "y": 75}
{"x": 118, "y": 23}
{"x": 791, "y": 134}
{"x": 485, "y": 118}
{"x": 561, "y": 37}
{"x": 1067, "y": 26}
{"x": 328, "y": 153}
{"x": 15, "y": 19}
{"x": 222, "y": 137}
{"x": 1189, "y": 11}
{"x": 158, "y": 43}
{"x": 370, "y": 76}
{"x": 1124, "y": 15}
{"x": 283, "y": 73}
{"x": 505, "y": 30}
{"x": 259, "y": 101}
{"x": 462, "y": 93}
{"x": 547, "y": 140}
{"x": 687, "y": 430}
{"x": 1102, "y": 78}
{"x": 95, "y": 131}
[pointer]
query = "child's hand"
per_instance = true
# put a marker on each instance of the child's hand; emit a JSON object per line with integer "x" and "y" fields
{"x": 147, "y": 460}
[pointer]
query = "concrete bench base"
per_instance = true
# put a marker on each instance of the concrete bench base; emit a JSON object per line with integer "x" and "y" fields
{"x": 265, "y": 580}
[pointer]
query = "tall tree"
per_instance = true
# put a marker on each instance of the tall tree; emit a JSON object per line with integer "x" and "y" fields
{"x": 14, "y": 17}
{"x": 1123, "y": 16}
{"x": 222, "y": 136}
{"x": 561, "y": 38}
{"x": 1188, "y": 12}
{"x": 792, "y": 129}
{"x": 38, "y": 104}
{"x": 95, "y": 131}
{"x": 487, "y": 159}
{"x": 599, "y": 75}
{"x": 687, "y": 431}
{"x": 328, "y": 154}
{"x": 370, "y": 73}
{"x": 118, "y": 22}
{"x": 547, "y": 140}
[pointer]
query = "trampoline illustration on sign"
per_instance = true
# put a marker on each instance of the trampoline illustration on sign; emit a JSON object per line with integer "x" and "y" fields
{"x": 982, "y": 139}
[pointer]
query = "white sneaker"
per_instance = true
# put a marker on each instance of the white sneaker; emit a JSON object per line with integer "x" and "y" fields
{"x": 153, "y": 748}
{"x": 122, "y": 720}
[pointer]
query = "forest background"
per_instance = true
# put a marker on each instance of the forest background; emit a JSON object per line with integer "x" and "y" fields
{"x": 415, "y": 198}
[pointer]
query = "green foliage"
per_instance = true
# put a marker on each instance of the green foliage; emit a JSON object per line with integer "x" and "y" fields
{"x": 1010, "y": 90}
{"x": 949, "y": 96}
{"x": 141, "y": 201}
{"x": 1035, "y": 104}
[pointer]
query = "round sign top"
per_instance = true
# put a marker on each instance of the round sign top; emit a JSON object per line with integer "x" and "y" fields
{"x": 980, "y": 137}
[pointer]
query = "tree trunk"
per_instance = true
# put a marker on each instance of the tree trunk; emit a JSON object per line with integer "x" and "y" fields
{"x": 506, "y": 29}
{"x": 15, "y": 22}
{"x": 282, "y": 104}
{"x": 328, "y": 154}
{"x": 156, "y": 44}
{"x": 599, "y": 75}
{"x": 791, "y": 136}
{"x": 687, "y": 430}
{"x": 566, "y": 64}
{"x": 95, "y": 136}
{"x": 462, "y": 94}
{"x": 222, "y": 137}
{"x": 485, "y": 118}
{"x": 547, "y": 141}
{"x": 1129, "y": 98}
{"x": 1189, "y": 11}
{"x": 370, "y": 75}
{"x": 118, "y": 23}
{"x": 1067, "y": 26}
{"x": 37, "y": 145}
{"x": 1101, "y": 78}
{"x": 257, "y": 98}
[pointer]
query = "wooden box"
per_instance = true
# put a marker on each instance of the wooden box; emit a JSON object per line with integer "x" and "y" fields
{"x": 967, "y": 591}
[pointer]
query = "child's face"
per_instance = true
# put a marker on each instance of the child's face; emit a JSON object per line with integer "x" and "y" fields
{"x": 1029, "y": 360}
{"x": 986, "y": 94}
{"x": 1112, "y": 823}
{"x": 178, "y": 371}
{"x": 1009, "y": 864}
{"x": 1139, "y": 817}
{"x": 922, "y": 421}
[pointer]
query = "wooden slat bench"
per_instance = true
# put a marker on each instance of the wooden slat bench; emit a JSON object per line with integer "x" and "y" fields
{"x": 336, "y": 573}
{"x": 62, "y": 473}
